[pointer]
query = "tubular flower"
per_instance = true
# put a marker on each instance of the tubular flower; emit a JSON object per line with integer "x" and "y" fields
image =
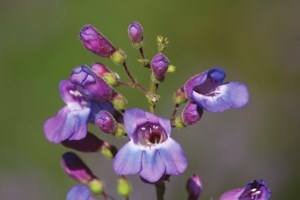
{"x": 151, "y": 152}
{"x": 210, "y": 92}
{"x": 96, "y": 42}
{"x": 255, "y": 190}
{"x": 84, "y": 95}
{"x": 80, "y": 192}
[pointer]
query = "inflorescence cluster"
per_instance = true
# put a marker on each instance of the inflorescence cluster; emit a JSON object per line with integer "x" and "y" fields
{"x": 90, "y": 96}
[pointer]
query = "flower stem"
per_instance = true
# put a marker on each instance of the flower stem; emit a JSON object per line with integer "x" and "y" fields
{"x": 132, "y": 79}
{"x": 153, "y": 99}
{"x": 141, "y": 50}
{"x": 160, "y": 190}
{"x": 175, "y": 109}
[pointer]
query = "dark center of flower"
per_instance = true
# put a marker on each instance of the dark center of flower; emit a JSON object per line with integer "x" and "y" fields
{"x": 149, "y": 134}
{"x": 253, "y": 191}
{"x": 78, "y": 97}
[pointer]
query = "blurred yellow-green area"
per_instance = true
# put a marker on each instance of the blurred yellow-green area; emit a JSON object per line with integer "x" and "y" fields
{"x": 257, "y": 42}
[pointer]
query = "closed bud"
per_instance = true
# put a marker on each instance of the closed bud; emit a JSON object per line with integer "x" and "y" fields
{"x": 105, "y": 121}
{"x": 194, "y": 187}
{"x": 135, "y": 33}
{"x": 96, "y": 186}
{"x": 119, "y": 101}
{"x": 171, "y": 69}
{"x": 120, "y": 132}
{"x": 75, "y": 168}
{"x": 108, "y": 151}
{"x": 178, "y": 123}
{"x": 118, "y": 57}
{"x": 191, "y": 114}
{"x": 179, "y": 96}
{"x": 123, "y": 187}
{"x": 159, "y": 65}
{"x": 96, "y": 42}
{"x": 106, "y": 74}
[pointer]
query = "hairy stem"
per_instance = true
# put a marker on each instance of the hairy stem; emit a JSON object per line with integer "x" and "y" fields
{"x": 160, "y": 190}
{"x": 132, "y": 79}
{"x": 141, "y": 50}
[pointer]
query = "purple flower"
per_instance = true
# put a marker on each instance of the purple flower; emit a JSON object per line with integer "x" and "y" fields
{"x": 210, "y": 92}
{"x": 90, "y": 84}
{"x": 191, "y": 113}
{"x": 76, "y": 168}
{"x": 80, "y": 192}
{"x": 151, "y": 152}
{"x": 96, "y": 42}
{"x": 71, "y": 121}
{"x": 105, "y": 121}
{"x": 255, "y": 190}
{"x": 159, "y": 65}
{"x": 194, "y": 187}
{"x": 135, "y": 32}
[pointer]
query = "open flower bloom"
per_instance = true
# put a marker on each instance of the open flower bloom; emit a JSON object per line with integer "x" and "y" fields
{"x": 84, "y": 95}
{"x": 210, "y": 92}
{"x": 255, "y": 190}
{"x": 151, "y": 152}
{"x": 80, "y": 192}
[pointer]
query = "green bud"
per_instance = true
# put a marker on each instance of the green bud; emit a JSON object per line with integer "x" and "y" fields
{"x": 179, "y": 96}
{"x": 178, "y": 122}
{"x": 106, "y": 152}
{"x": 96, "y": 186}
{"x": 124, "y": 188}
{"x": 120, "y": 131}
{"x": 111, "y": 79}
{"x": 118, "y": 57}
{"x": 119, "y": 101}
{"x": 171, "y": 69}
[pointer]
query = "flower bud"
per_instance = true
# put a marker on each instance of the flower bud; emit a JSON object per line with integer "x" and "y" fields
{"x": 194, "y": 187}
{"x": 75, "y": 168}
{"x": 178, "y": 123}
{"x": 159, "y": 65}
{"x": 135, "y": 33}
{"x": 90, "y": 85}
{"x": 105, "y": 121}
{"x": 108, "y": 151}
{"x": 96, "y": 186}
{"x": 124, "y": 188}
{"x": 102, "y": 71}
{"x": 120, "y": 132}
{"x": 191, "y": 114}
{"x": 179, "y": 96}
{"x": 95, "y": 41}
{"x": 119, "y": 101}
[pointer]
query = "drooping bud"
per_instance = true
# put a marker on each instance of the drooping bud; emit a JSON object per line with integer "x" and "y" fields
{"x": 118, "y": 57}
{"x": 159, "y": 65}
{"x": 96, "y": 186}
{"x": 191, "y": 113}
{"x": 105, "y": 121}
{"x": 135, "y": 33}
{"x": 179, "y": 96}
{"x": 124, "y": 187}
{"x": 119, "y": 101}
{"x": 102, "y": 71}
{"x": 194, "y": 187}
{"x": 96, "y": 42}
{"x": 91, "y": 85}
{"x": 76, "y": 168}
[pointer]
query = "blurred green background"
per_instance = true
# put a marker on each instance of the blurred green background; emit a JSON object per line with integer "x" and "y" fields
{"x": 257, "y": 42}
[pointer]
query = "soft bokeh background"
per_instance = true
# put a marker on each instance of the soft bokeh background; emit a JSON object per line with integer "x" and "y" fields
{"x": 256, "y": 41}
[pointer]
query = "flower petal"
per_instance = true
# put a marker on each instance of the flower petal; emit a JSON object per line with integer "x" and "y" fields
{"x": 132, "y": 119}
{"x": 128, "y": 159}
{"x": 173, "y": 157}
{"x": 152, "y": 166}
{"x": 69, "y": 123}
{"x": 232, "y": 194}
{"x": 79, "y": 192}
{"x": 224, "y": 97}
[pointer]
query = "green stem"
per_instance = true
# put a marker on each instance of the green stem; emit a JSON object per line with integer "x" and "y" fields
{"x": 160, "y": 190}
{"x": 134, "y": 82}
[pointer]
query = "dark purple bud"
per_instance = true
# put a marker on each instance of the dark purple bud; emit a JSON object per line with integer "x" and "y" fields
{"x": 76, "y": 169}
{"x": 159, "y": 65}
{"x": 106, "y": 122}
{"x": 194, "y": 187}
{"x": 191, "y": 113}
{"x": 135, "y": 32}
{"x": 91, "y": 85}
{"x": 95, "y": 41}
